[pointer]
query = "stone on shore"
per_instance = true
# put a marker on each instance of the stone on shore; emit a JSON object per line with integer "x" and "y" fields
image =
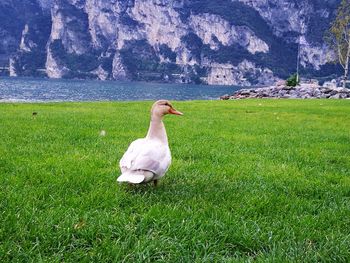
{"x": 302, "y": 91}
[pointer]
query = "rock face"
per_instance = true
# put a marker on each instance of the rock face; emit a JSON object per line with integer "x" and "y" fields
{"x": 213, "y": 29}
{"x": 240, "y": 42}
{"x": 244, "y": 74}
{"x": 24, "y": 31}
{"x": 304, "y": 91}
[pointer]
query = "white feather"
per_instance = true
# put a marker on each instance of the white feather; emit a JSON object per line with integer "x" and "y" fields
{"x": 131, "y": 178}
{"x": 147, "y": 155}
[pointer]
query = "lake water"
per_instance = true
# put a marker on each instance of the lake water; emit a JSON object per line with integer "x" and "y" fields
{"x": 46, "y": 90}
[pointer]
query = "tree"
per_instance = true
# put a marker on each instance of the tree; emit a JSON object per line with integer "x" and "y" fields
{"x": 338, "y": 37}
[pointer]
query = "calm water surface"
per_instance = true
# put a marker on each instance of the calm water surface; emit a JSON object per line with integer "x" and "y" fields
{"x": 45, "y": 90}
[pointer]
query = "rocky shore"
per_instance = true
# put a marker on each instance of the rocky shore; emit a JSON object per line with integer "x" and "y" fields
{"x": 303, "y": 91}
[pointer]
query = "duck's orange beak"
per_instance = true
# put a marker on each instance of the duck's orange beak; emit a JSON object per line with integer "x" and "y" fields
{"x": 175, "y": 112}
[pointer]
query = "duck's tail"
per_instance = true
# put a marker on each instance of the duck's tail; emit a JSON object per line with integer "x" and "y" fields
{"x": 136, "y": 177}
{"x": 132, "y": 178}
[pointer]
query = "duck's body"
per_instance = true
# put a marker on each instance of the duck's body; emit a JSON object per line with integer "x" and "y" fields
{"x": 145, "y": 160}
{"x": 149, "y": 158}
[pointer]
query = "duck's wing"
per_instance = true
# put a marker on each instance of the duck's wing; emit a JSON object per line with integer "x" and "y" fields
{"x": 149, "y": 155}
{"x": 154, "y": 157}
{"x": 129, "y": 157}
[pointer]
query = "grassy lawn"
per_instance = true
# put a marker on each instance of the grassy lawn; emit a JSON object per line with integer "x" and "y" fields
{"x": 252, "y": 180}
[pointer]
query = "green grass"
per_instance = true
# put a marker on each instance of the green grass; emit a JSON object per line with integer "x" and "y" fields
{"x": 252, "y": 180}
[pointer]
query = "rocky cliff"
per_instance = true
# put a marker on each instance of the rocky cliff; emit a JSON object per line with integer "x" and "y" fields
{"x": 233, "y": 42}
{"x": 25, "y": 27}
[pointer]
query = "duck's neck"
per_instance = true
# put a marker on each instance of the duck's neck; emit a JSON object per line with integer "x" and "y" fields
{"x": 157, "y": 130}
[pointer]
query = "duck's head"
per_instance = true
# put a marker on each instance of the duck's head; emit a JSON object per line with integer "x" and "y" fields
{"x": 163, "y": 107}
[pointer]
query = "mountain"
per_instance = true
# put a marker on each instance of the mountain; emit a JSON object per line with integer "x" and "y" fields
{"x": 235, "y": 42}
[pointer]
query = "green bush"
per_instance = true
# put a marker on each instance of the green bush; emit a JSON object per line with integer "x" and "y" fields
{"x": 292, "y": 81}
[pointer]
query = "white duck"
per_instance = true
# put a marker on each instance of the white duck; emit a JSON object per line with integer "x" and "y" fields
{"x": 149, "y": 158}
